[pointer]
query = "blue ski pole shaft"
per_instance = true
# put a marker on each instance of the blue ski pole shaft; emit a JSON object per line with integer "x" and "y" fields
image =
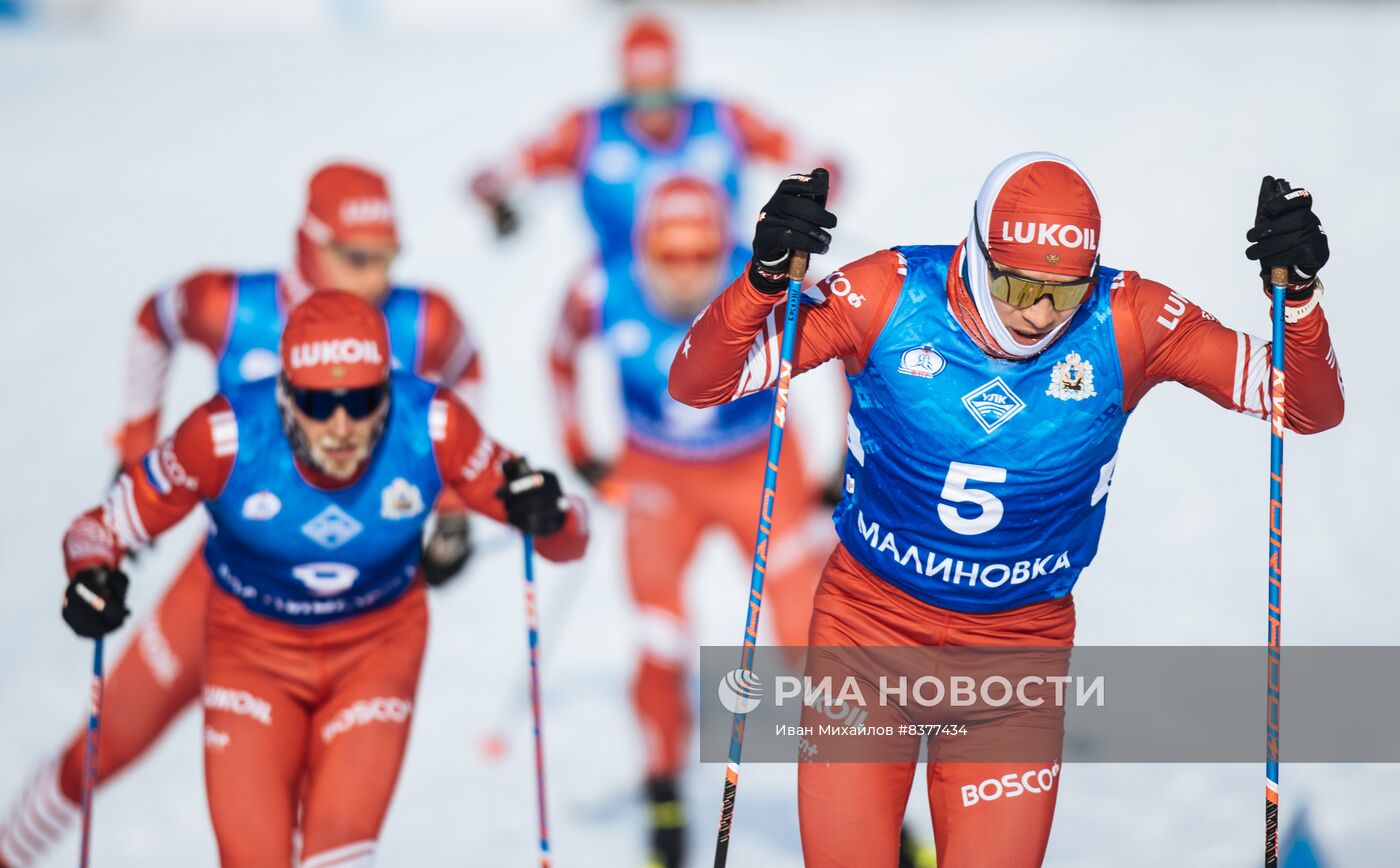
{"x": 797, "y": 270}
{"x": 532, "y": 625}
{"x": 1279, "y": 278}
{"x": 90, "y": 749}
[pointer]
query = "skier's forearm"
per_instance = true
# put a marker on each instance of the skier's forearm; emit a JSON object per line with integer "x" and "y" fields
{"x": 569, "y": 542}
{"x": 715, "y": 353}
{"x": 147, "y": 370}
{"x": 577, "y": 324}
{"x": 478, "y": 491}
{"x": 564, "y": 378}
{"x": 1315, "y": 399}
{"x": 133, "y": 513}
{"x": 1164, "y": 337}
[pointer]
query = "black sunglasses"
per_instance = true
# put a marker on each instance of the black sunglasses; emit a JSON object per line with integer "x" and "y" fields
{"x": 321, "y": 404}
{"x": 361, "y": 258}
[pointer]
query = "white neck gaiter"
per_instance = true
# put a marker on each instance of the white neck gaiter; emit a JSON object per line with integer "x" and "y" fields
{"x": 979, "y": 286}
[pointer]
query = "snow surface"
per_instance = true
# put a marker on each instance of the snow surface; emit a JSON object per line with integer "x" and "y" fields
{"x": 132, "y": 153}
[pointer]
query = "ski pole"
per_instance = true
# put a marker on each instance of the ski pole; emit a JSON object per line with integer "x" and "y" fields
{"x": 797, "y": 270}
{"x": 532, "y": 625}
{"x": 1279, "y": 278}
{"x": 90, "y": 749}
{"x": 495, "y": 742}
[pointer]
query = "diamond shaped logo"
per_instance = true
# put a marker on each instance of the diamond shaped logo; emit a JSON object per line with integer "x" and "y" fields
{"x": 992, "y": 404}
{"x": 333, "y": 528}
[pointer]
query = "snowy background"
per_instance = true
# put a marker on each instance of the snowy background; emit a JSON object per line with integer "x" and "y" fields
{"x": 147, "y": 138}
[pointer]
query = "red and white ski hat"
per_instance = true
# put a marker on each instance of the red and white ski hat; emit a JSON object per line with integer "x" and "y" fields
{"x": 346, "y": 203}
{"x": 687, "y": 203}
{"x": 649, "y": 55}
{"x": 1036, "y": 211}
{"x": 335, "y": 340}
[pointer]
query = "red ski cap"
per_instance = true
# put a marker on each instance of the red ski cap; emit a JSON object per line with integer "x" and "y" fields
{"x": 684, "y": 212}
{"x": 1038, "y": 212}
{"x": 648, "y": 55}
{"x": 346, "y": 203}
{"x": 335, "y": 340}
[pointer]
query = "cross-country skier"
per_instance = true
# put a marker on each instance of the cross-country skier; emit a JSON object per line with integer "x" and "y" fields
{"x": 347, "y": 240}
{"x": 620, "y": 151}
{"x": 681, "y": 471}
{"x": 317, "y": 484}
{"x": 990, "y": 384}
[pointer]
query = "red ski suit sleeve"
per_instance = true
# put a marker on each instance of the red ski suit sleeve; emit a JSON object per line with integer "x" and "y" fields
{"x": 451, "y": 358}
{"x": 732, "y": 348}
{"x": 578, "y": 323}
{"x": 557, "y": 151}
{"x": 197, "y": 310}
{"x": 554, "y": 153}
{"x": 193, "y": 465}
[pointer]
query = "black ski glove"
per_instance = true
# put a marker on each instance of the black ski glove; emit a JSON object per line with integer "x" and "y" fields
{"x": 794, "y": 219}
{"x": 835, "y": 489}
{"x": 95, "y": 602}
{"x": 1287, "y": 234}
{"x": 504, "y": 219}
{"x": 447, "y": 550}
{"x": 593, "y": 471}
{"x": 533, "y": 499}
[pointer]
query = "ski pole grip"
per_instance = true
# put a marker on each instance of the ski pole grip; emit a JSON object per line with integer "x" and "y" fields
{"x": 797, "y": 264}
{"x": 1279, "y": 275}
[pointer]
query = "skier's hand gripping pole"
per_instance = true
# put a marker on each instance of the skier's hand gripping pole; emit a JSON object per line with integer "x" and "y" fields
{"x": 791, "y": 227}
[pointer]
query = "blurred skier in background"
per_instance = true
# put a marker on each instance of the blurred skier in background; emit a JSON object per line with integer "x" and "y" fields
{"x": 318, "y": 484}
{"x": 991, "y": 383}
{"x": 681, "y": 472}
{"x": 348, "y": 240}
{"x": 620, "y": 151}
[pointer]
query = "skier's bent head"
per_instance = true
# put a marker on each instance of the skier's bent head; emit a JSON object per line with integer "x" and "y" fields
{"x": 348, "y": 238}
{"x": 684, "y": 245}
{"x": 1032, "y": 251}
{"x": 649, "y": 75}
{"x": 334, "y": 388}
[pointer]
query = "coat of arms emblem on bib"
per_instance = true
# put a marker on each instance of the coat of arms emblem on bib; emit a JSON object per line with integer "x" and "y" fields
{"x": 1072, "y": 379}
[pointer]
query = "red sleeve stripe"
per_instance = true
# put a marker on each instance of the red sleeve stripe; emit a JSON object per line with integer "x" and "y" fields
{"x": 89, "y": 539}
{"x": 223, "y": 429}
{"x": 1252, "y": 364}
{"x": 461, "y": 358}
{"x": 120, "y": 516}
{"x": 1241, "y": 353}
{"x": 357, "y": 855}
{"x": 761, "y": 369}
{"x": 168, "y": 305}
{"x": 147, "y": 368}
{"x": 437, "y": 420}
{"x": 480, "y": 459}
{"x": 38, "y": 820}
